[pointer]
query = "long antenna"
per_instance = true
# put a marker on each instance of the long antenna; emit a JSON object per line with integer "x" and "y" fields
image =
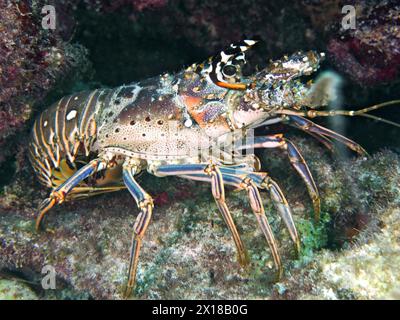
{"x": 351, "y": 113}
{"x": 380, "y": 119}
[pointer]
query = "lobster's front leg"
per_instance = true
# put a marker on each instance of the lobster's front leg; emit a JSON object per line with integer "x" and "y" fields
{"x": 145, "y": 204}
{"x": 257, "y": 206}
{"x": 296, "y": 160}
{"x": 212, "y": 173}
{"x": 243, "y": 179}
{"x": 263, "y": 181}
{"x": 58, "y": 195}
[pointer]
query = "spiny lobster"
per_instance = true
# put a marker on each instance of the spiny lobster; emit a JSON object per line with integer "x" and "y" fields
{"x": 194, "y": 124}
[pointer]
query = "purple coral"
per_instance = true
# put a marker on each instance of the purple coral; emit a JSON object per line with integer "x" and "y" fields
{"x": 370, "y": 54}
{"x": 31, "y": 60}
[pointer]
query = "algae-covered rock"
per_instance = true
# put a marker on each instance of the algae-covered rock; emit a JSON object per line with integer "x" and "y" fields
{"x": 363, "y": 271}
{"x": 33, "y": 60}
{"x": 188, "y": 252}
{"x": 15, "y": 290}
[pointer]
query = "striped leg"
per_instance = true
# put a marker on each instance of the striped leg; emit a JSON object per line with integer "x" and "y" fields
{"x": 263, "y": 181}
{"x": 209, "y": 173}
{"x": 58, "y": 195}
{"x": 324, "y": 140}
{"x": 248, "y": 184}
{"x": 245, "y": 180}
{"x": 235, "y": 175}
{"x": 145, "y": 204}
{"x": 296, "y": 160}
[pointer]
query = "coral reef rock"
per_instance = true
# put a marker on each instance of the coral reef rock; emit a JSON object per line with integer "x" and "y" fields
{"x": 188, "y": 252}
{"x": 32, "y": 60}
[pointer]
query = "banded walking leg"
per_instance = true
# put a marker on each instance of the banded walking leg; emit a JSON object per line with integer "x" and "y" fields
{"x": 296, "y": 160}
{"x": 145, "y": 204}
{"x": 324, "y": 140}
{"x": 58, "y": 195}
{"x": 263, "y": 181}
{"x": 217, "y": 187}
{"x": 234, "y": 175}
{"x": 244, "y": 179}
{"x": 256, "y": 204}
{"x": 311, "y": 127}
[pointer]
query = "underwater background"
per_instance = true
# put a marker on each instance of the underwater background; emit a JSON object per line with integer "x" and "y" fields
{"x": 352, "y": 253}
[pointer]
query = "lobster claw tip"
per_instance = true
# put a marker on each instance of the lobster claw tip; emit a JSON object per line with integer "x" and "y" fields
{"x": 45, "y": 206}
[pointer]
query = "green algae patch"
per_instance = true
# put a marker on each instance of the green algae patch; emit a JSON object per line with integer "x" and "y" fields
{"x": 15, "y": 290}
{"x": 313, "y": 236}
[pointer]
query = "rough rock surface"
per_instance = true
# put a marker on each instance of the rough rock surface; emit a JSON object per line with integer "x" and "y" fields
{"x": 188, "y": 252}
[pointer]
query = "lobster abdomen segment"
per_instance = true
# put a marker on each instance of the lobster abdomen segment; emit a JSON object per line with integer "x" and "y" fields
{"x": 66, "y": 130}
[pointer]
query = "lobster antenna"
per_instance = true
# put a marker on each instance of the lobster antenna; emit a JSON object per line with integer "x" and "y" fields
{"x": 351, "y": 113}
{"x": 381, "y": 119}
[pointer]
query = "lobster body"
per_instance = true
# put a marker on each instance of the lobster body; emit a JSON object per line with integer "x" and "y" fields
{"x": 149, "y": 120}
{"x": 188, "y": 125}
{"x": 169, "y": 117}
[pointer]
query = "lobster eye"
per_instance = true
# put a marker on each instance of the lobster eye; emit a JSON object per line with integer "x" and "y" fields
{"x": 229, "y": 70}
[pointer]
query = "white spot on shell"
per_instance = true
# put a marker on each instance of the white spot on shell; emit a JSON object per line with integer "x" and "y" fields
{"x": 45, "y": 124}
{"x": 71, "y": 115}
{"x": 188, "y": 123}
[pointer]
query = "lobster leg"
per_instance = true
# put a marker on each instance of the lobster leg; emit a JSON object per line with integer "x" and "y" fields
{"x": 85, "y": 192}
{"x": 262, "y": 180}
{"x": 234, "y": 175}
{"x": 296, "y": 160}
{"x": 248, "y": 184}
{"x": 145, "y": 204}
{"x": 243, "y": 180}
{"x": 59, "y": 194}
{"x": 311, "y": 127}
{"x": 324, "y": 140}
{"x": 213, "y": 174}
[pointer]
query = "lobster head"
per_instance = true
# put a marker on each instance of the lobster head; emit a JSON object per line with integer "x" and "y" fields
{"x": 218, "y": 89}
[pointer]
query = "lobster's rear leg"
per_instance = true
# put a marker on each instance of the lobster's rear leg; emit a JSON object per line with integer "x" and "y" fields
{"x": 311, "y": 127}
{"x": 145, "y": 204}
{"x": 212, "y": 173}
{"x": 296, "y": 160}
{"x": 59, "y": 194}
